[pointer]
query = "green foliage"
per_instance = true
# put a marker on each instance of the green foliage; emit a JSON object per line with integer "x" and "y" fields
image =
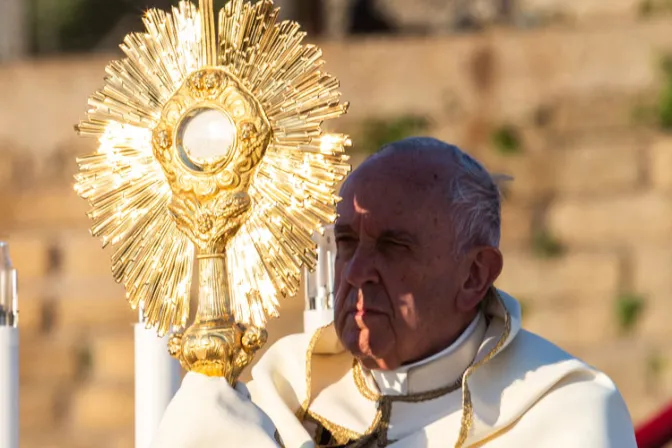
{"x": 84, "y": 358}
{"x": 506, "y": 140}
{"x": 655, "y": 364}
{"x": 376, "y": 133}
{"x": 665, "y": 98}
{"x": 654, "y": 369}
{"x": 545, "y": 245}
{"x": 629, "y": 308}
{"x": 649, "y": 8}
{"x": 646, "y": 8}
{"x": 645, "y": 115}
{"x": 658, "y": 111}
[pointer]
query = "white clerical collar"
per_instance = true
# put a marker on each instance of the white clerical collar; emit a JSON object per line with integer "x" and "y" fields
{"x": 438, "y": 370}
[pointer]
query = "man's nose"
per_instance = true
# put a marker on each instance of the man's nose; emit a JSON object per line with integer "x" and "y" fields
{"x": 361, "y": 268}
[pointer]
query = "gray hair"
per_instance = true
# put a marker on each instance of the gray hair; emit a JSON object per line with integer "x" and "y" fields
{"x": 476, "y": 198}
{"x": 474, "y": 194}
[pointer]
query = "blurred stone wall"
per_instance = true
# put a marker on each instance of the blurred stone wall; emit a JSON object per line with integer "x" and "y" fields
{"x": 587, "y": 221}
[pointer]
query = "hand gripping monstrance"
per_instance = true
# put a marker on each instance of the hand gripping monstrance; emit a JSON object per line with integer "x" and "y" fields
{"x": 211, "y": 146}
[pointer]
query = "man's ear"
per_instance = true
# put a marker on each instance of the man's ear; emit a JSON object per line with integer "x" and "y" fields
{"x": 483, "y": 265}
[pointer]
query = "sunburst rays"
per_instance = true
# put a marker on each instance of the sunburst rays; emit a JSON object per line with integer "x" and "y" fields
{"x": 293, "y": 191}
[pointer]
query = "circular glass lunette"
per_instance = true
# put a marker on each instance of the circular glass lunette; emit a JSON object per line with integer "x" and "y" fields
{"x": 205, "y": 136}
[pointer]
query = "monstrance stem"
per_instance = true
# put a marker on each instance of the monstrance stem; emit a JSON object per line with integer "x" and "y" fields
{"x": 214, "y": 295}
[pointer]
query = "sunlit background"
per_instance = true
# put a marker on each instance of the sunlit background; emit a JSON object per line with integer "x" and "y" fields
{"x": 573, "y": 98}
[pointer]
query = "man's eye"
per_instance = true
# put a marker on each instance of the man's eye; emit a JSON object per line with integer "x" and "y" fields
{"x": 393, "y": 244}
{"x": 345, "y": 240}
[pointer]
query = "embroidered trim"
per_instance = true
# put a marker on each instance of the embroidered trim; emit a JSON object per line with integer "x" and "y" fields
{"x": 340, "y": 433}
{"x": 344, "y": 435}
{"x": 278, "y": 439}
{"x": 467, "y": 406}
{"x": 301, "y": 412}
{"x": 384, "y": 402}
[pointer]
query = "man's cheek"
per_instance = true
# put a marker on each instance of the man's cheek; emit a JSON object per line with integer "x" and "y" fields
{"x": 338, "y": 269}
{"x": 350, "y": 334}
{"x": 381, "y": 337}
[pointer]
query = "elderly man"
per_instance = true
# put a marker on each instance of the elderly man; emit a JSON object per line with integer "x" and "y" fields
{"x": 423, "y": 351}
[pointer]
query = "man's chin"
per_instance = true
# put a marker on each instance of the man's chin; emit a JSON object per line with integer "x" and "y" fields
{"x": 373, "y": 363}
{"x": 357, "y": 342}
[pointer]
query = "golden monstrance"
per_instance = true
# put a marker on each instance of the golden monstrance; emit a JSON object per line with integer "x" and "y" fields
{"x": 211, "y": 147}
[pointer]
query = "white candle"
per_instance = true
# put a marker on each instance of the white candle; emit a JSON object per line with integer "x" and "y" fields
{"x": 9, "y": 352}
{"x": 9, "y": 387}
{"x": 318, "y": 287}
{"x": 157, "y": 378}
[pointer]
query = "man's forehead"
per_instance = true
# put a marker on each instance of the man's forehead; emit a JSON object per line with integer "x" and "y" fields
{"x": 383, "y": 196}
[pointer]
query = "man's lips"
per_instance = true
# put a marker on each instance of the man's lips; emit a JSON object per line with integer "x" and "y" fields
{"x": 365, "y": 312}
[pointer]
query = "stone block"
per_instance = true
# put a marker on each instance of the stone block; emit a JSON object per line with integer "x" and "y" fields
{"x": 94, "y": 303}
{"x": 70, "y": 438}
{"x": 32, "y": 315}
{"x": 30, "y": 253}
{"x": 6, "y": 169}
{"x": 516, "y": 225}
{"x": 533, "y": 175}
{"x": 100, "y": 407}
{"x": 113, "y": 357}
{"x": 94, "y": 313}
{"x": 607, "y": 110}
{"x": 651, "y": 271}
{"x": 50, "y": 208}
{"x": 627, "y": 220}
{"x": 572, "y": 324}
{"x": 48, "y": 438}
{"x": 38, "y": 407}
{"x": 660, "y": 163}
{"x": 50, "y": 360}
{"x": 571, "y": 277}
{"x": 126, "y": 440}
{"x": 588, "y": 10}
{"x": 654, "y": 323}
{"x": 606, "y": 167}
{"x": 83, "y": 256}
{"x": 7, "y": 205}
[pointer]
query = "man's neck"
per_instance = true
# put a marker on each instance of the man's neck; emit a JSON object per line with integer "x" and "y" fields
{"x": 435, "y": 371}
{"x": 444, "y": 344}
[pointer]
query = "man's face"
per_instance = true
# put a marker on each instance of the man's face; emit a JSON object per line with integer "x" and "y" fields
{"x": 398, "y": 279}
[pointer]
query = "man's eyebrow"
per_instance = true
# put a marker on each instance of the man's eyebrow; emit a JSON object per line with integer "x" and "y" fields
{"x": 399, "y": 235}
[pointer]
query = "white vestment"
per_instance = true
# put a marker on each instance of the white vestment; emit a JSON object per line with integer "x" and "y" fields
{"x": 497, "y": 386}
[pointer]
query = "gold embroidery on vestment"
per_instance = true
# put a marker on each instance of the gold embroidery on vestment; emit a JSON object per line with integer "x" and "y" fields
{"x": 380, "y": 423}
{"x": 467, "y": 406}
{"x": 384, "y": 402}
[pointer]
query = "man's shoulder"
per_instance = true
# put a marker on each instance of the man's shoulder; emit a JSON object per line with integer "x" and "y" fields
{"x": 537, "y": 353}
{"x": 583, "y": 388}
{"x": 534, "y": 355}
{"x": 551, "y": 396}
{"x": 587, "y": 402}
{"x": 290, "y": 348}
{"x": 293, "y": 351}
{"x": 535, "y": 350}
